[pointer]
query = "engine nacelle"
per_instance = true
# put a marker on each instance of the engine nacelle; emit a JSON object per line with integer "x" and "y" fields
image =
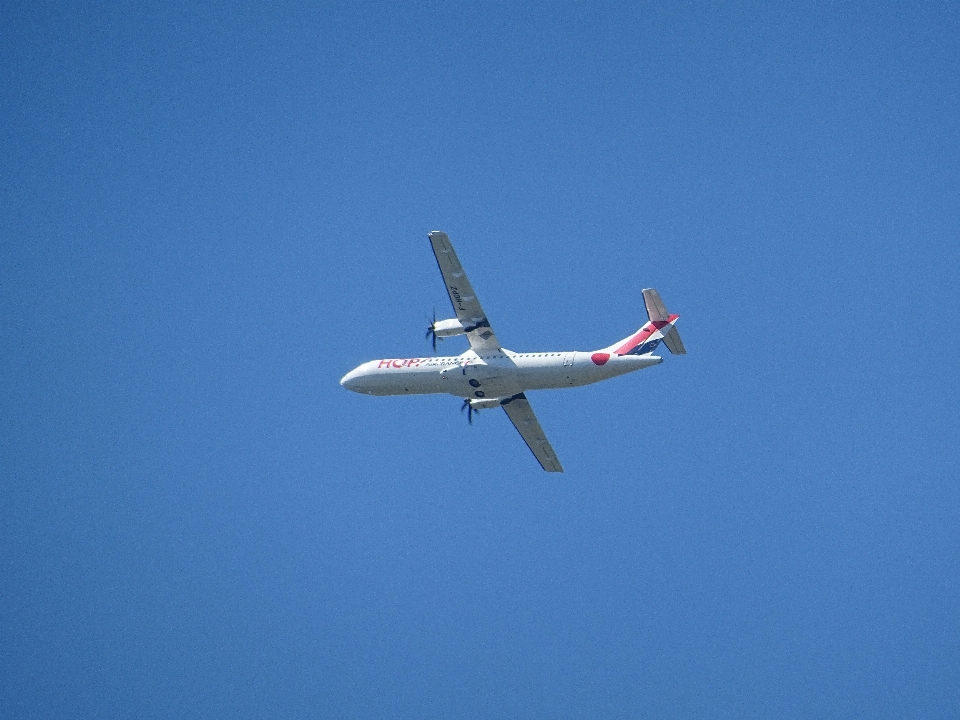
{"x": 447, "y": 328}
{"x": 478, "y": 404}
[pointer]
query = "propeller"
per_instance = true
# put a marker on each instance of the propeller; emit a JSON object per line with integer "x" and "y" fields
{"x": 431, "y": 331}
{"x": 471, "y": 411}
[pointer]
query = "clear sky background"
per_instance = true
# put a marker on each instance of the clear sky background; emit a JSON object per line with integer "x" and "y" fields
{"x": 209, "y": 214}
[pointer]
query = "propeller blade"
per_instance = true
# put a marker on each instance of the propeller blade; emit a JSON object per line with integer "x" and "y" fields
{"x": 431, "y": 331}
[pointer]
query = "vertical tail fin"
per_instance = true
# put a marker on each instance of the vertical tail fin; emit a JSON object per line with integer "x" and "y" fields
{"x": 656, "y": 310}
{"x": 660, "y": 327}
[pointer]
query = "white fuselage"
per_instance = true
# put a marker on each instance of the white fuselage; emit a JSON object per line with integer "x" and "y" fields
{"x": 499, "y": 374}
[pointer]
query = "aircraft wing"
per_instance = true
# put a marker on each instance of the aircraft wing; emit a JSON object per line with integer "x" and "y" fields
{"x": 465, "y": 303}
{"x": 521, "y": 415}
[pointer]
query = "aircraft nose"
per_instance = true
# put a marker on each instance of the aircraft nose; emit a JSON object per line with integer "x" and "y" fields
{"x": 350, "y": 381}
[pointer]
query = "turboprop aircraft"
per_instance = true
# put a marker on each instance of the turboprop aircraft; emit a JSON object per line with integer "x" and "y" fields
{"x": 488, "y": 375}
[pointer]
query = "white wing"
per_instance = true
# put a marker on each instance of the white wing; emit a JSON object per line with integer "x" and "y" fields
{"x": 521, "y": 415}
{"x": 465, "y": 303}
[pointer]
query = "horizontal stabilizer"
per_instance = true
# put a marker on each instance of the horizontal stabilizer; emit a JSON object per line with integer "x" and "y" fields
{"x": 656, "y": 310}
{"x": 673, "y": 342}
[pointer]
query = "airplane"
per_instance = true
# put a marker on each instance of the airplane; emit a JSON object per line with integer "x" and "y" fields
{"x": 488, "y": 375}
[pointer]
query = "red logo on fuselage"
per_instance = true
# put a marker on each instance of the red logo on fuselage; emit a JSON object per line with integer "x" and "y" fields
{"x": 600, "y": 358}
{"x": 409, "y": 362}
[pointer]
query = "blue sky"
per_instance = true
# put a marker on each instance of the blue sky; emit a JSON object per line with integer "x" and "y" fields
{"x": 209, "y": 215}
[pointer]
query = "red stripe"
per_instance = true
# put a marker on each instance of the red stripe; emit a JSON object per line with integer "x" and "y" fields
{"x": 645, "y": 332}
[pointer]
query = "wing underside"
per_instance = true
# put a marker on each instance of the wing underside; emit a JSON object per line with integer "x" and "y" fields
{"x": 464, "y": 300}
{"x": 482, "y": 339}
{"x": 521, "y": 415}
